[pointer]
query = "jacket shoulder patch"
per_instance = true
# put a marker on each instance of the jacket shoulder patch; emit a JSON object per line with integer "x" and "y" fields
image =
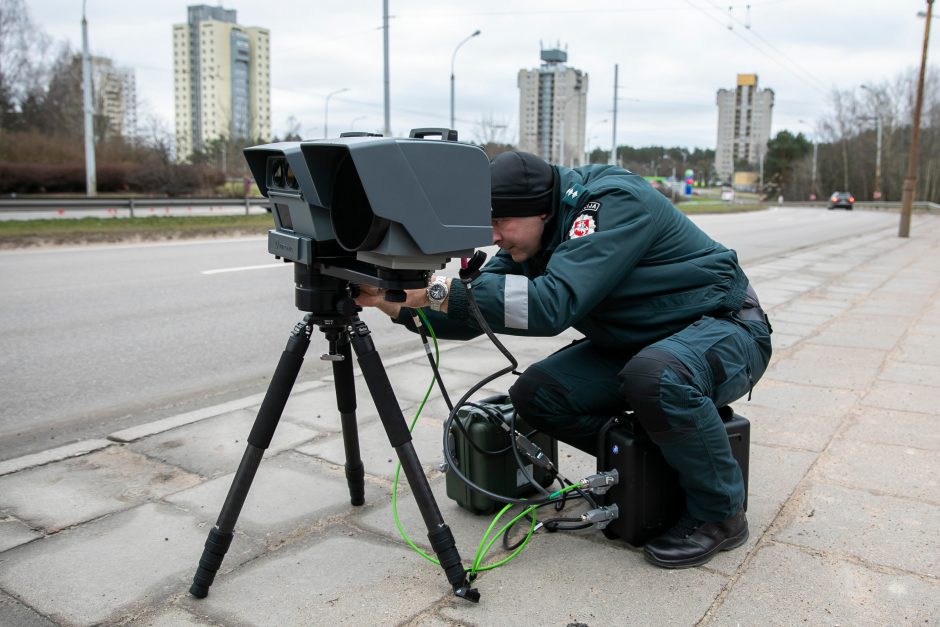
{"x": 584, "y": 224}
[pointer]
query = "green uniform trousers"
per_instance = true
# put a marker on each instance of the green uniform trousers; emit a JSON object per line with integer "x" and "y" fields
{"x": 674, "y": 388}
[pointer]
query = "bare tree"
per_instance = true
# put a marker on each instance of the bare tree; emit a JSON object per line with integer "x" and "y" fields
{"x": 23, "y": 50}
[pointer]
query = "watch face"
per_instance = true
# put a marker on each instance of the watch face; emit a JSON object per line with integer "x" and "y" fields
{"x": 437, "y": 292}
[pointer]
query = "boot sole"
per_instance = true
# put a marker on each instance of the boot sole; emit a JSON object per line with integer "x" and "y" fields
{"x": 725, "y": 545}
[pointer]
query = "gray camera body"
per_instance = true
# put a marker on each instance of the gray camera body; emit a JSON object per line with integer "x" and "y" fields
{"x": 372, "y": 208}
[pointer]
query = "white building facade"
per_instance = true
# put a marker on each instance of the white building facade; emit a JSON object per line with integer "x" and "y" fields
{"x": 115, "y": 96}
{"x": 222, "y": 80}
{"x": 553, "y": 110}
{"x": 744, "y": 119}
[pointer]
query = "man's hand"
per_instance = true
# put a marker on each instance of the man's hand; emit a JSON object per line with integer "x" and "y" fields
{"x": 370, "y": 296}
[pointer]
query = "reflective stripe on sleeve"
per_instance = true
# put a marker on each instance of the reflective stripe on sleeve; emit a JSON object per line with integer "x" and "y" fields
{"x": 516, "y": 301}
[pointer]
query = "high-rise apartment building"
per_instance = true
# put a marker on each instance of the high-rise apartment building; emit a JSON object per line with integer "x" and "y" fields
{"x": 553, "y": 110}
{"x": 115, "y": 95}
{"x": 744, "y": 117}
{"x": 222, "y": 79}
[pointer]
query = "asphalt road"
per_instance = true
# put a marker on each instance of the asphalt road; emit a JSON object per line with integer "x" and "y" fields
{"x": 99, "y": 338}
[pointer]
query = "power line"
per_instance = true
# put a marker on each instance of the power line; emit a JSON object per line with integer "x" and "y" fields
{"x": 751, "y": 44}
{"x": 750, "y": 29}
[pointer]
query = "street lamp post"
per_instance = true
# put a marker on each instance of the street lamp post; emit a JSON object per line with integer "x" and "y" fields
{"x": 326, "y": 110}
{"x": 910, "y": 182}
{"x": 587, "y": 158}
{"x": 812, "y": 187}
{"x": 876, "y": 195}
{"x": 91, "y": 181}
{"x": 453, "y": 58}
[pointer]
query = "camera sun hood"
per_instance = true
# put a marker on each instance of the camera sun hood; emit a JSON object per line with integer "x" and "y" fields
{"x": 392, "y": 202}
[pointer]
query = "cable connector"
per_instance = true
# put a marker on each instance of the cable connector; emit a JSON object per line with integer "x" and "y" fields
{"x": 533, "y": 452}
{"x": 601, "y": 516}
{"x": 601, "y": 482}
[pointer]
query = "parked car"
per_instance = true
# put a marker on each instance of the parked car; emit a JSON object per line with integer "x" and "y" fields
{"x": 841, "y": 200}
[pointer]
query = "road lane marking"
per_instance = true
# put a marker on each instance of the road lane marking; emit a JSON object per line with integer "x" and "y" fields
{"x": 243, "y": 268}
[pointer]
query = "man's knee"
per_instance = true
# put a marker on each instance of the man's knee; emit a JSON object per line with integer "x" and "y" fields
{"x": 651, "y": 384}
{"x": 534, "y": 395}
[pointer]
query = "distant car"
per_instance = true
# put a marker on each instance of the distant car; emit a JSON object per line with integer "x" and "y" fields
{"x": 841, "y": 200}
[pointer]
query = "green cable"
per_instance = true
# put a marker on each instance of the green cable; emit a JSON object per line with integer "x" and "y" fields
{"x": 481, "y": 551}
{"x": 427, "y": 394}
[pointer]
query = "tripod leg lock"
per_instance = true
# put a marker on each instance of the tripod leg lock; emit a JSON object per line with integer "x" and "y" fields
{"x": 217, "y": 545}
{"x": 442, "y": 541}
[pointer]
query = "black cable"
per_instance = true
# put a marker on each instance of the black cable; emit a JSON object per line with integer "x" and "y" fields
{"x": 515, "y": 451}
{"x": 437, "y": 372}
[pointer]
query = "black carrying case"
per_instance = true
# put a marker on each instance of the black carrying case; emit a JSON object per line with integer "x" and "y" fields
{"x": 499, "y": 474}
{"x": 648, "y": 494}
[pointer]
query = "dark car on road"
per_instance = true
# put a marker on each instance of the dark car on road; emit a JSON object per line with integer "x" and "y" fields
{"x": 841, "y": 200}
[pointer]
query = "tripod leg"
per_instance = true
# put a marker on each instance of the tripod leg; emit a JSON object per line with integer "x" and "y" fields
{"x": 220, "y": 536}
{"x": 345, "y": 386}
{"x": 442, "y": 540}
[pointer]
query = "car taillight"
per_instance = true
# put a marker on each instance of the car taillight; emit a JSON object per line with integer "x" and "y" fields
{"x": 834, "y": 199}
{"x": 851, "y": 198}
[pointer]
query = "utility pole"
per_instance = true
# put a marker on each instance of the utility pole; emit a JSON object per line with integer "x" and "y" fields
{"x": 388, "y": 123}
{"x": 91, "y": 182}
{"x": 910, "y": 182}
{"x": 613, "y": 141}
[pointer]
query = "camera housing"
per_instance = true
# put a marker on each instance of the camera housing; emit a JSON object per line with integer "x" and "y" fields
{"x": 383, "y": 211}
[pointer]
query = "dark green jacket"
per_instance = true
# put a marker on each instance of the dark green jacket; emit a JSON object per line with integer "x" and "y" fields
{"x": 619, "y": 263}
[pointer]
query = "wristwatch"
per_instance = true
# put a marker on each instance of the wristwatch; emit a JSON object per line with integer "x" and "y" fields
{"x": 437, "y": 292}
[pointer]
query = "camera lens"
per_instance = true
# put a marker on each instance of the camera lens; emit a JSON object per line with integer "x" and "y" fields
{"x": 277, "y": 173}
{"x": 289, "y": 177}
{"x": 355, "y": 225}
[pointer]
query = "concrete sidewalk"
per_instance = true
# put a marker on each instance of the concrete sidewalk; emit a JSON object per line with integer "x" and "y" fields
{"x": 844, "y": 502}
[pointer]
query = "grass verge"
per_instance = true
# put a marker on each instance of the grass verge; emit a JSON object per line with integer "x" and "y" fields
{"x": 65, "y": 231}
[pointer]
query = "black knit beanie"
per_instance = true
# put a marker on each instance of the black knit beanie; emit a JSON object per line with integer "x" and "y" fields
{"x": 522, "y": 185}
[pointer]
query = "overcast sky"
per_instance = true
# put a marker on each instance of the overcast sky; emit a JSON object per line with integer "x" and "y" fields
{"x": 673, "y": 56}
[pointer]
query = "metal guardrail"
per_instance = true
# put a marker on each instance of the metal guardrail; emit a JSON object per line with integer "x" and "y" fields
{"x": 131, "y": 204}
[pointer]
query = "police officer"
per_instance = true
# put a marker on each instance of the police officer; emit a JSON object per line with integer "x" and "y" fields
{"x": 672, "y": 328}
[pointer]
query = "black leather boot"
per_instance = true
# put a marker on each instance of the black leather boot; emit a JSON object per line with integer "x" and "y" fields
{"x": 692, "y": 542}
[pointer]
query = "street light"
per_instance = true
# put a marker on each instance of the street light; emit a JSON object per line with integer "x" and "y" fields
{"x": 326, "y": 109}
{"x": 812, "y": 191}
{"x": 588, "y": 139}
{"x": 453, "y": 57}
{"x": 876, "y": 195}
{"x": 91, "y": 181}
{"x": 352, "y": 125}
{"x": 561, "y": 129}
{"x": 910, "y": 181}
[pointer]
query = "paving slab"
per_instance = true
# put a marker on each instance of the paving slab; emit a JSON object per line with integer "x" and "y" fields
{"x": 887, "y": 426}
{"x": 796, "y": 397}
{"x": 378, "y": 456}
{"x": 215, "y": 446}
{"x": 882, "y": 468}
{"x": 903, "y": 397}
{"x": 173, "y": 617}
{"x": 906, "y": 372}
{"x": 79, "y": 489}
{"x": 920, "y": 348}
{"x": 876, "y": 528}
{"x": 12, "y": 612}
{"x": 786, "y": 585}
{"x": 289, "y": 492}
{"x": 870, "y": 332}
{"x": 109, "y": 567}
{"x": 347, "y": 579}
{"x": 316, "y": 408}
{"x": 830, "y": 366}
{"x": 564, "y": 579}
{"x": 15, "y": 532}
{"x": 788, "y": 427}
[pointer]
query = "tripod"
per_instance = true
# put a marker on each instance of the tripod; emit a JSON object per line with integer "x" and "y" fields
{"x": 332, "y": 309}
